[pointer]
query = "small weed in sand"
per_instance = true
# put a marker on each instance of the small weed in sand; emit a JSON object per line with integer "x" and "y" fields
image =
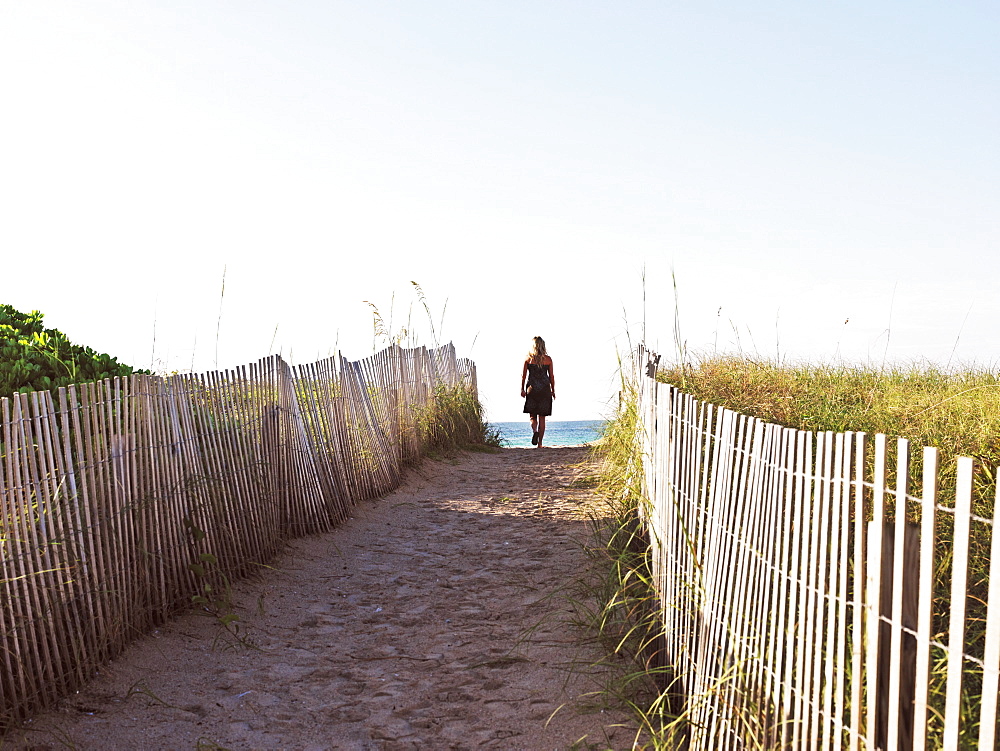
{"x": 216, "y": 600}
{"x": 140, "y": 689}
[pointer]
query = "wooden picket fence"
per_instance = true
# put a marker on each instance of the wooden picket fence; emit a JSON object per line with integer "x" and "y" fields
{"x": 809, "y": 599}
{"x": 123, "y": 500}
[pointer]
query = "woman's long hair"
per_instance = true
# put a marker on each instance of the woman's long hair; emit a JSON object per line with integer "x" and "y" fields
{"x": 537, "y": 352}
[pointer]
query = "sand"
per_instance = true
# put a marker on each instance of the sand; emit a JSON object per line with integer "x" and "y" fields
{"x": 435, "y": 618}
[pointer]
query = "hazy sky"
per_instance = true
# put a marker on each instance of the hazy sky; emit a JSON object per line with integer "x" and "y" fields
{"x": 822, "y": 178}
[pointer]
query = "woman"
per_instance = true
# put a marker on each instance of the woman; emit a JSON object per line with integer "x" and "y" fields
{"x": 538, "y": 387}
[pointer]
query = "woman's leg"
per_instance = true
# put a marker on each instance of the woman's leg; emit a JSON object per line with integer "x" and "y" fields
{"x": 541, "y": 429}
{"x": 534, "y": 428}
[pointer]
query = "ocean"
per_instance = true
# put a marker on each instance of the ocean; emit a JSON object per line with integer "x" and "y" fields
{"x": 557, "y": 432}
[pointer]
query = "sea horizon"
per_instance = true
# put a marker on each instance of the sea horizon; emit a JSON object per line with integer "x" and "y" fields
{"x": 562, "y": 433}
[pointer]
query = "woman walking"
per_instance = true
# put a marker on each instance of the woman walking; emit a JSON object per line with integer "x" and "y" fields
{"x": 538, "y": 387}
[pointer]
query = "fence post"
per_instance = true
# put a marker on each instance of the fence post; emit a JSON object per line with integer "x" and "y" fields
{"x": 879, "y": 674}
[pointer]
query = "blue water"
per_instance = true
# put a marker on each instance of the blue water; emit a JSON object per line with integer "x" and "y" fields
{"x": 557, "y": 433}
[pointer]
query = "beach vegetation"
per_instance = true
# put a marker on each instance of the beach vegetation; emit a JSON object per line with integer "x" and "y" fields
{"x": 34, "y": 358}
{"x": 622, "y": 607}
{"x": 957, "y": 412}
{"x": 455, "y": 420}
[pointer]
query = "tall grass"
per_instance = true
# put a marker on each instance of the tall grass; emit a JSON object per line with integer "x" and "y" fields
{"x": 627, "y": 612}
{"x": 956, "y": 412}
{"x": 455, "y": 420}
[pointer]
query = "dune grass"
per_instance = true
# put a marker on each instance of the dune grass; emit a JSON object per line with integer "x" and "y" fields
{"x": 956, "y": 412}
{"x": 624, "y": 609}
{"x": 455, "y": 420}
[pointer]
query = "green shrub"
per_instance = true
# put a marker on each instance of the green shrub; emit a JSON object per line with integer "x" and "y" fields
{"x": 34, "y": 358}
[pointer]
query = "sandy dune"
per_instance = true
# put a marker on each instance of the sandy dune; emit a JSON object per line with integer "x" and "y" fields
{"x": 433, "y": 619}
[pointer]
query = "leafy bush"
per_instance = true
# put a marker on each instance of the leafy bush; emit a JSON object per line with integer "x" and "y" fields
{"x": 34, "y": 358}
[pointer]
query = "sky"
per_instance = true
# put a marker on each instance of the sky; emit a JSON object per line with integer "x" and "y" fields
{"x": 815, "y": 181}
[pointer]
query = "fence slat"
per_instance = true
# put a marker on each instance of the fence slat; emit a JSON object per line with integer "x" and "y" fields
{"x": 797, "y": 608}
{"x": 874, "y": 588}
{"x": 832, "y": 538}
{"x": 898, "y": 559}
{"x": 991, "y": 655}
{"x": 781, "y": 658}
{"x": 956, "y": 621}
{"x": 860, "y": 580}
{"x": 928, "y": 515}
{"x": 767, "y": 603}
{"x": 810, "y": 566}
{"x": 844, "y": 475}
{"x": 775, "y": 612}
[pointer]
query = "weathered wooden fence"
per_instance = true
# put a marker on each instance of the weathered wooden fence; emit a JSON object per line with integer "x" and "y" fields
{"x": 123, "y": 500}
{"x": 808, "y": 600}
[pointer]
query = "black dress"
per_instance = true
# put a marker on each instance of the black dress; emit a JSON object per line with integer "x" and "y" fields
{"x": 539, "y": 399}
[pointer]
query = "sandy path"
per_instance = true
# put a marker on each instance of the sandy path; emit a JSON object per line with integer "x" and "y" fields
{"x": 427, "y": 621}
